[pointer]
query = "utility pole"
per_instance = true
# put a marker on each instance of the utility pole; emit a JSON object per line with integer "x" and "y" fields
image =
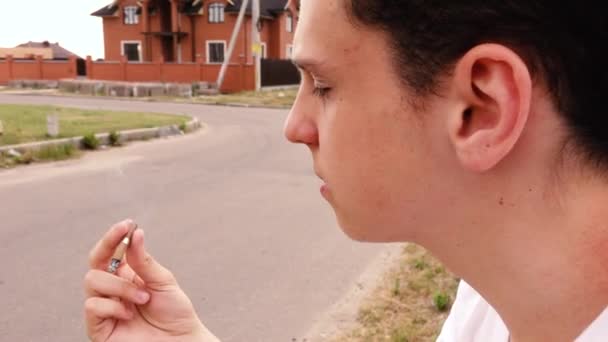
{"x": 235, "y": 33}
{"x": 257, "y": 46}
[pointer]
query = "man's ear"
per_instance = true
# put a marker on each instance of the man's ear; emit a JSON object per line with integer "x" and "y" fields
{"x": 494, "y": 86}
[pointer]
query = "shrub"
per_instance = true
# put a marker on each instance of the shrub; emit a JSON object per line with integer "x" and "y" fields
{"x": 114, "y": 138}
{"x": 90, "y": 142}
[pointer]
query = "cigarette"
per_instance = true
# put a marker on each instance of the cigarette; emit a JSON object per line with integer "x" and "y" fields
{"x": 120, "y": 251}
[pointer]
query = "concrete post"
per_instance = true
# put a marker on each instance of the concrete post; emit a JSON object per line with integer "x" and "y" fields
{"x": 233, "y": 38}
{"x": 255, "y": 40}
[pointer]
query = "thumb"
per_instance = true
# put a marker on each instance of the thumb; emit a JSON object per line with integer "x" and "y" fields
{"x": 144, "y": 265}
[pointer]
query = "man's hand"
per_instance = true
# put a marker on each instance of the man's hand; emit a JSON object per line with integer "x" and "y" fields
{"x": 141, "y": 302}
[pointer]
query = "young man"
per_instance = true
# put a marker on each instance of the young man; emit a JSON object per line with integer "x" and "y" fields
{"x": 473, "y": 128}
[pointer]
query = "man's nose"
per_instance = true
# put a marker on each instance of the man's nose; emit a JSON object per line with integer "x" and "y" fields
{"x": 301, "y": 128}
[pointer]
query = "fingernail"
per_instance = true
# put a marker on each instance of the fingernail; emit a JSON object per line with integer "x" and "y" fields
{"x": 142, "y": 297}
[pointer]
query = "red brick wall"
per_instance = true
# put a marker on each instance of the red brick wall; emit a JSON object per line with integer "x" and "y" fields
{"x": 144, "y": 72}
{"x": 238, "y": 77}
{"x": 26, "y": 70}
{"x": 107, "y": 71}
{"x": 56, "y": 70}
{"x": 4, "y": 72}
{"x": 180, "y": 73}
{"x": 38, "y": 69}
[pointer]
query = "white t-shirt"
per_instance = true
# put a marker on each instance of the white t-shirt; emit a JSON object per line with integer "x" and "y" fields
{"x": 472, "y": 319}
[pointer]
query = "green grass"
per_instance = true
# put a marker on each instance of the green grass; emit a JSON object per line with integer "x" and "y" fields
{"x": 24, "y": 123}
{"x": 56, "y": 153}
{"x": 410, "y": 304}
{"x": 271, "y": 98}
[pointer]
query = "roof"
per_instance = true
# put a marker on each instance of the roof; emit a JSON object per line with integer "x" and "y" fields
{"x": 268, "y": 8}
{"x": 106, "y": 11}
{"x": 188, "y": 7}
{"x": 191, "y": 7}
{"x": 58, "y": 51}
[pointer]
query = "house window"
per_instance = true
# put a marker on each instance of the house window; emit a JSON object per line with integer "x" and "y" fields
{"x": 289, "y": 51}
{"x": 132, "y": 50}
{"x": 131, "y": 16}
{"x": 216, "y": 13}
{"x": 215, "y": 51}
{"x": 289, "y": 23}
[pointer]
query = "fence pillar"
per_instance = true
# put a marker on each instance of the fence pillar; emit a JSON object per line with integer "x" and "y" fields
{"x": 39, "y": 67}
{"x": 90, "y": 66}
{"x": 160, "y": 63}
{"x": 123, "y": 68}
{"x": 199, "y": 68}
{"x": 242, "y": 75}
{"x": 72, "y": 67}
{"x": 9, "y": 66}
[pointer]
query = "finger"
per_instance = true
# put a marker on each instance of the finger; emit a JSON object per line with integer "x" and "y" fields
{"x": 102, "y": 252}
{"x": 98, "y": 309}
{"x": 126, "y": 272}
{"x": 150, "y": 271}
{"x": 103, "y": 284}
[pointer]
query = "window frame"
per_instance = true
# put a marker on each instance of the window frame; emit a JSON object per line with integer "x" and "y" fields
{"x": 212, "y": 12}
{"x": 289, "y": 22}
{"x": 139, "y": 49}
{"x": 208, "y": 50}
{"x": 128, "y": 19}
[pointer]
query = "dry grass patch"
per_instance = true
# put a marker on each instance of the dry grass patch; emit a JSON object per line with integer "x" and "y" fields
{"x": 410, "y": 304}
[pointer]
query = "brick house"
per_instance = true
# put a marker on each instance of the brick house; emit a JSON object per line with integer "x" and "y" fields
{"x": 30, "y": 50}
{"x": 184, "y": 31}
{"x": 58, "y": 51}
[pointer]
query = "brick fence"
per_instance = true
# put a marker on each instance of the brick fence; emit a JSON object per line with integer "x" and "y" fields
{"x": 37, "y": 69}
{"x": 239, "y": 77}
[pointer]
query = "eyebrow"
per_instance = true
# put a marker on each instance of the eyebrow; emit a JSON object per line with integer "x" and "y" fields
{"x": 306, "y": 64}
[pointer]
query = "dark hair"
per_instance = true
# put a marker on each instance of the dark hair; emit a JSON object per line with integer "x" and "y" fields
{"x": 561, "y": 42}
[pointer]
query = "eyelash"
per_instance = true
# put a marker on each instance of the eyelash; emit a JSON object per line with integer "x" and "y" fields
{"x": 321, "y": 91}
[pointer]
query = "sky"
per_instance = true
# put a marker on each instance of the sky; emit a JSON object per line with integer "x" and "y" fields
{"x": 67, "y": 22}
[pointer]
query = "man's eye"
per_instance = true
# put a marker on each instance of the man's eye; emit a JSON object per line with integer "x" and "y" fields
{"x": 321, "y": 91}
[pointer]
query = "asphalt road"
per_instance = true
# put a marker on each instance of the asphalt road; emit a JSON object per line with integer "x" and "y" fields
{"x": 235, "y": 212}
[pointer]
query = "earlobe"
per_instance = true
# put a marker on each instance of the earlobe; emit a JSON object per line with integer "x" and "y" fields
{"x": 493, "y": 89}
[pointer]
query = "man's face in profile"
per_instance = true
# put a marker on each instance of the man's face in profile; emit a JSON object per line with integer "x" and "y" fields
{"x": 369, "y": 146}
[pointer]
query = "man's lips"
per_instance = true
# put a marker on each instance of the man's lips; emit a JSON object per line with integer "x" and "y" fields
{"x": 324, "y": 188}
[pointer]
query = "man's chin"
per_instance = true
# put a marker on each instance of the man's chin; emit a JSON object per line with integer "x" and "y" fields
{"x": 365, "y": 233}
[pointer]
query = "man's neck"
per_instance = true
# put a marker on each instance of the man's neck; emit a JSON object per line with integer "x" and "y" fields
{"x": 544, "y": 266}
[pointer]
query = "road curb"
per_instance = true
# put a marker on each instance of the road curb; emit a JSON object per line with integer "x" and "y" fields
{"x": 124, "y": 136}
{"x": 143, "y": 99}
